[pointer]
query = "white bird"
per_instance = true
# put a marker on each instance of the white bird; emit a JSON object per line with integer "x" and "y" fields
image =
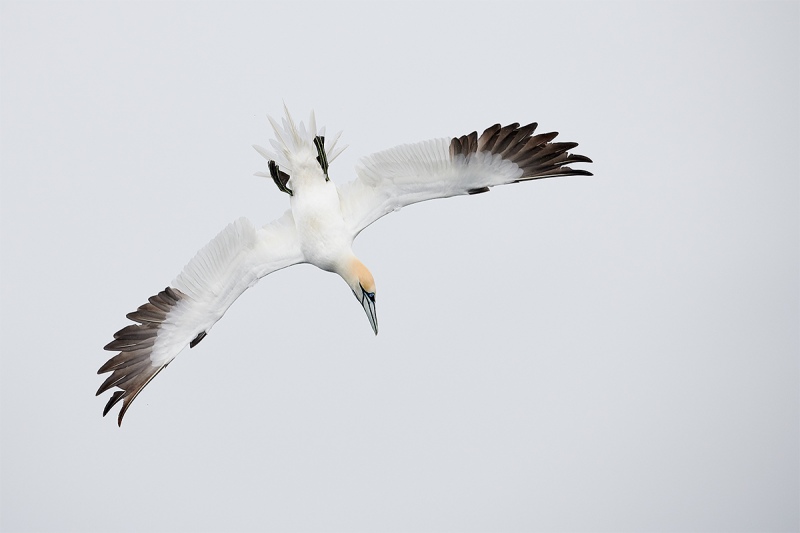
{"x": 319, "y": 229}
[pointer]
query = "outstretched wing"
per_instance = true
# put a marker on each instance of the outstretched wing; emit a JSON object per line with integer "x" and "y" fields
{"x": 183, "y": 313}
{"x": 440, "y": 168}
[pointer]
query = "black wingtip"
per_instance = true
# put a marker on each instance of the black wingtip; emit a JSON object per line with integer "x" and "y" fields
{"x": 116, "y": 397}
{"x": 580, "y": 173}
{"x": 577, "y": 158}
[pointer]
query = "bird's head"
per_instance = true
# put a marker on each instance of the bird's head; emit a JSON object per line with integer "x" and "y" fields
{"x": 363, "y": 286}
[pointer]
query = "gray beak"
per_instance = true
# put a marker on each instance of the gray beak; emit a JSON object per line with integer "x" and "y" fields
{"x": 367, "y": 300}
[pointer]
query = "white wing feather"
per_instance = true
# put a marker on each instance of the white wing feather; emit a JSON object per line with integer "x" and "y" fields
{"x": 440, "y": 168}
{"x": 184, "y": 313}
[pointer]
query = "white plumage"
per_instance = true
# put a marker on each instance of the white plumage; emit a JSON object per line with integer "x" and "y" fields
{"x": 318, "y": 229}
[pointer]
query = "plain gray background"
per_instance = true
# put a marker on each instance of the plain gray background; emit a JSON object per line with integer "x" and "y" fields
{"x": 616, "y": 353}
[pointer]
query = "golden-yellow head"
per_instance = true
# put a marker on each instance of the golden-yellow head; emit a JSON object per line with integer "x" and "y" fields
{"x": 363, "y": 285}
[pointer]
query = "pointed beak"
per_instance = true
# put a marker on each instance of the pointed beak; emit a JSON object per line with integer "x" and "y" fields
{"x": 368, "y": 302}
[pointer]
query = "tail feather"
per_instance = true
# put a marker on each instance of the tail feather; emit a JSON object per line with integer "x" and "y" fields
{"x": 294, "y": 141}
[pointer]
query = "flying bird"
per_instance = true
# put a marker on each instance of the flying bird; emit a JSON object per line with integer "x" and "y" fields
{"x": 319, "y": 228}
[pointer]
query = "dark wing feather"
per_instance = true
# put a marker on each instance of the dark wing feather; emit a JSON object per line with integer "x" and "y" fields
{"x": 132, "y": 369}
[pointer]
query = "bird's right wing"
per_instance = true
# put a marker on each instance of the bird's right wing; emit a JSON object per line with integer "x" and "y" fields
{"x": 183, "y": 313}
{"x": 440, "y": 168}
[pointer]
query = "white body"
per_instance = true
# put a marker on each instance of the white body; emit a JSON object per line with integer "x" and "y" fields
{"x": 321, "y": 230}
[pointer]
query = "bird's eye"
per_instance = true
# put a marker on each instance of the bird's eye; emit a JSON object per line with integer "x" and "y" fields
{"x": 370, "y": 295}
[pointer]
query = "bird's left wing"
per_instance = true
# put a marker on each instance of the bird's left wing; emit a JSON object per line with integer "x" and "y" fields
{"x": 441, "y": 168}
{"x": 183, "y": 313}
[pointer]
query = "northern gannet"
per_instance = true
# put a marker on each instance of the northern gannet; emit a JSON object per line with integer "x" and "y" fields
{"x": 319, "y": 228}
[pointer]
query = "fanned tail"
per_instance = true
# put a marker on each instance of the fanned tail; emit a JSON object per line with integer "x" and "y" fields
{"x": 294, "y": 141}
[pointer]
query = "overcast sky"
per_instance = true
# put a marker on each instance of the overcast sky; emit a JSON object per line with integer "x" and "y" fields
{"x": 615, "y": 353}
